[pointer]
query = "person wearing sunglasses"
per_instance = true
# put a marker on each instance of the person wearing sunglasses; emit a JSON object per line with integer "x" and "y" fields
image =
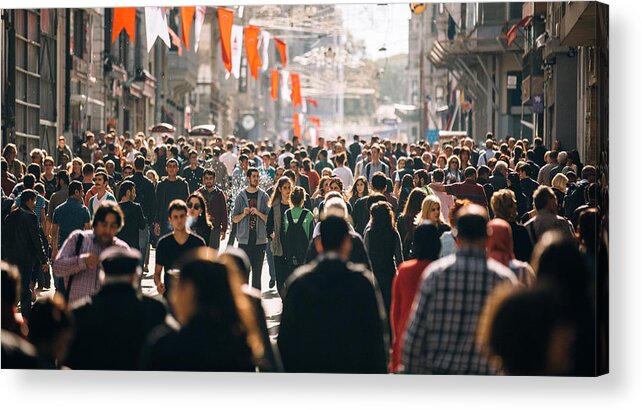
{"x": 198, "y": 220}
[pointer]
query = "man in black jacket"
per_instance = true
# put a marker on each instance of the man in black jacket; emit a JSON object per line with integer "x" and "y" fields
{"x": 112, "y": 326}
{"x": 146, "y": 197}
{"x": 170, "y": 188}
{"x": 333, "y": 319}
{"x": 23, "y": 245}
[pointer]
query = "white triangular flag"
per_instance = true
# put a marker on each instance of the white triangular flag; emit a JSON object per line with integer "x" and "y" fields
{"x": 198, "y": 24}
{"x": 156, "y": 26}
{"x": 237, "y": 49}
{"x": 264, "y": 43}
{"x": 285, "y": 86}
{"x": 304, "y": 106}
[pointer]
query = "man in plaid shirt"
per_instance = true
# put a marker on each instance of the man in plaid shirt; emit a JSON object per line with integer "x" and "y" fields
{"x": 79, "y": 264}
{"x": 440, "y": 337}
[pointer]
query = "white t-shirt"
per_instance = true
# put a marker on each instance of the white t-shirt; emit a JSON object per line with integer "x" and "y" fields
{"x": 346, "y": 176}
{"x": 281, "y": 160}
{"x": 229, "y": 160}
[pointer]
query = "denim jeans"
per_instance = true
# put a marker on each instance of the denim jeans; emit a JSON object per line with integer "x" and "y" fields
{"x": 270, "y": 259}
{"x": 255, "y": 253}
{"x": 143, "y": 242}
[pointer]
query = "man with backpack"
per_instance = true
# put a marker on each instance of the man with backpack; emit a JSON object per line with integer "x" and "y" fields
{"x": 298, "y": 226}
{"x": 376, "y": 165}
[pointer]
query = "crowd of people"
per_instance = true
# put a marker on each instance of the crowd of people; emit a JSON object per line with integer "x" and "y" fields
{"x": 389, "y": 257}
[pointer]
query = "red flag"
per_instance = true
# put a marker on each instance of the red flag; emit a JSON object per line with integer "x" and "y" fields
{"x": 511, "y": 34}
{"x": 225, "y": 21}
{"x": 124, "y": 18}
{"x": 187, "y": 15}
{"x": 315, "y": 121}
{"x": 312, "y": 101}
{"x": 251, "y": 34}
{"x": 275, "y": 84}
{"x": 296, "y": 89}
{"x": 283, "y": 50}
{"x": 297, "y": 125}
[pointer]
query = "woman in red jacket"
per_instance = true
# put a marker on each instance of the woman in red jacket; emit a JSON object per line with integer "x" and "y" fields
{"x": 426, "y": 247}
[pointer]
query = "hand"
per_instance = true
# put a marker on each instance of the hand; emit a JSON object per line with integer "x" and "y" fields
{"x": 91, "y": 260}
{"x": 160, "y": 287}
{"x": 156, "y": 229}
{"x": 247, "y": 211}
{"x": 45, "y": 267}
{"x": 222, "y": 235}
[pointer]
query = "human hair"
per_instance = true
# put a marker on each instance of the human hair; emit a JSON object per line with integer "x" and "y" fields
{"x": 382, "y": 229}
{"x": 74, "y": 186}
{"x": 413, "y": 204}
{"x": 354, "y": 191}
{"x": 29, "y": 181}
{"x": 218, "y": 297}
{"x": 454, "y": 158}
{"x": 307, "y": 165}
{"x": 470, "y": 172}
{"x": 49, "y": 318}
{"x": 472, "y": 223}
{"x": 139, "y": 163}
{"x": 176, "y": 205}
{"x": 35, "y": 170}
{"x": 426, "y": 244}
{"x": 500, "y": 167}
{"x": 338, "y": 181}
{"x": 251, "y": 170}
{"x": 101, "y": 174}
{"x": 334, "y": 205}
{"x": 334, "y": 231}
{"x": 171, "y": 161}
{"x": 204, "y": 217}
{"x": 340, "y": 159}
{"x": 559, "y": 182}
{"x": 504, "y": 205}
{"x": 210, "y": 172}
{"x": 9, "y": 149}
{"x": 11, "y": 284}
{"x": 276, "y": 193}
{"x": 40, "y": 188}
{"x": 290, "y": 174}
{"x": 297, "y": 196}
{"x": 243, "y": 158}
{"x": 422, "y": 174}
{"x": 542, "y": 196}
{"x": 374, "y": 198}
{"x": 27, "y": 195}
{"x": 88, "y": 169}
{"x": 62, "y": 176}
{"x": 48, "y": 159}
{"x": 106, "y": 208}
{"x": 125, "y": 187}
{"x": 426, "y": 206}
{"x": 379, "y": 181}
{"x": 438, "y": 175}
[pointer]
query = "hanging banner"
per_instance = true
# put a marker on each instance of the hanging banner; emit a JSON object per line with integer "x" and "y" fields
{"x": 225, "y": 21}
{"x": 187, "y": 15}
{"x": 264, "y": 43}
{"x": 315, "y": 121}
{"x": 198, "y": 24}
{"x": 275, "y": 85}
{"x": 296, "y": 89}
{"x": 285, "y": 87}
{"x": 251, "y": 49}
{"x": 176, "y": 41}
{"x": 237, "y": 49}
{"x": 283, "y": 50}
{"x": 297, "y": 124}
{"x": 156, "y": 26}
{"x": 124, "y": 18}
{"x": 304, "y": 106}
{"x": 312, "y": 101}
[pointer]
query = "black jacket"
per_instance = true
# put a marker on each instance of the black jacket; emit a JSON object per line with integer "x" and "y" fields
{"x": 145, "y": 195}
{"x": 111, "y": 328}
{"x": 333, "y": 320}
{"x": 358, "y": 254}
{"x": 21, "y": 239}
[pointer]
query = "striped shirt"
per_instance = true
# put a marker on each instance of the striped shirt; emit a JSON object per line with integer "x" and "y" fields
{"x": 86, "y": 281}
{"x": 440, "y": 337}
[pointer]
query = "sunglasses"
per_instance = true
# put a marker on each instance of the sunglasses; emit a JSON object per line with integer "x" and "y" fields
{"x": 191, "y": 205}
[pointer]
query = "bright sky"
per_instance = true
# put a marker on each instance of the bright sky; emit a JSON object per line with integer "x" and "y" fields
{"x": 379, "y": 25}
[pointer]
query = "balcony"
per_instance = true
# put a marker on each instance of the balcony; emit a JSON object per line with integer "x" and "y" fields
{"x": 579, "y": 23}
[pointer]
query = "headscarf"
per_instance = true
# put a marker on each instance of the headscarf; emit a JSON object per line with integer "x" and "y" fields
{"x": 500, "y": 242}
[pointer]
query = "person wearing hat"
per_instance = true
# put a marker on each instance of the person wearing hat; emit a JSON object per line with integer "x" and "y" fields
{"x": 112, "y": 326}
{"x": 219, "y": 168}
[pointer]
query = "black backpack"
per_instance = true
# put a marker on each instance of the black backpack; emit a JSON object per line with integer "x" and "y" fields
{"x": 296, "y": 243}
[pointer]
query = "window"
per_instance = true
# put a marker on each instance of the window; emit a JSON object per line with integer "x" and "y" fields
{"x": 515, "y": 11}
{"x": 493, "y": 13}
{"x": 78, "y": 35}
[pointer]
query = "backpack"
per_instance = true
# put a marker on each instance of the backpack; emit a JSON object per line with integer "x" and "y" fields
{"x": 296, "y": 243}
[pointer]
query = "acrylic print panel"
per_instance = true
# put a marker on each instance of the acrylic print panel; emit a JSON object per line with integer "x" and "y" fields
{"x": 319, "y": 188}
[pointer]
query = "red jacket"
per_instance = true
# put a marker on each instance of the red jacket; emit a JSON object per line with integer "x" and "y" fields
{"x": 404, "y": 288}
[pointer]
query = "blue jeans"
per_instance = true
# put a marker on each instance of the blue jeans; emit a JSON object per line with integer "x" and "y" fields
{"x": 143, "y": 242}
{"x": 270, "y": 259}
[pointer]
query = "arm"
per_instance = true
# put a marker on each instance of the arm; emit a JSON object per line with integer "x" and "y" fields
{"x": 54, "y": 240}
{"x": 67, "y": 263}
{"x": 437, "y": 186}
{"x": 238, "y": 214}
{"x": 269, "y": 226}
{"x": 398, "y": 253}
{"x": 35, "y": 238}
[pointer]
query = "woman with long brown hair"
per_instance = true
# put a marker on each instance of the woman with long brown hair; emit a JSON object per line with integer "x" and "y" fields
{"x": 279, "y": 203}
{"x": 359, "y": 190}
{"x": 406, "y": 222}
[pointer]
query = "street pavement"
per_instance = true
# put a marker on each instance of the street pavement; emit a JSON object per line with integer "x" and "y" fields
{"x": 270, "y": 297}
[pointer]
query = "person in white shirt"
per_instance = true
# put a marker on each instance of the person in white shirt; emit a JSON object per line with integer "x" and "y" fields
{"x": 343, "y": 172}
{"x": 229, "y": 158}
{"x": 486, "y": 155}
{"x": 287, "y": 153}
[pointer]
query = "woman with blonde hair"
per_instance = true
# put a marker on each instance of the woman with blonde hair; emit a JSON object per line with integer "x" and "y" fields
{"x": 559, "y": 184}
{"x": 431, "y": 213}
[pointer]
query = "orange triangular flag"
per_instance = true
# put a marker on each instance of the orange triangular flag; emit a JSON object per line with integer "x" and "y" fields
{"x": 297, "y": 125}
{"x": 282, "y": 47}
{"x": 315, "y": 121}
{"x": 312, "y": 101}
{"x": 251, "y": 34}
{"x": 296, "y": 89}
{"x": 124, "y": 18}
{"x": 275, "y": 84}
{"x": 225, "y": 21}
{"x": 187, "y": 16}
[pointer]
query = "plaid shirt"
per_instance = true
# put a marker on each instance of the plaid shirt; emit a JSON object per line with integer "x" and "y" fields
{"x": 86, "y": 281}
{"x": 440, "y": 337}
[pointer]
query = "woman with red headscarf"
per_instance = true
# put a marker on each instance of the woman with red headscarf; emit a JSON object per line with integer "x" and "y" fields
{"x": 500, "y": 248}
